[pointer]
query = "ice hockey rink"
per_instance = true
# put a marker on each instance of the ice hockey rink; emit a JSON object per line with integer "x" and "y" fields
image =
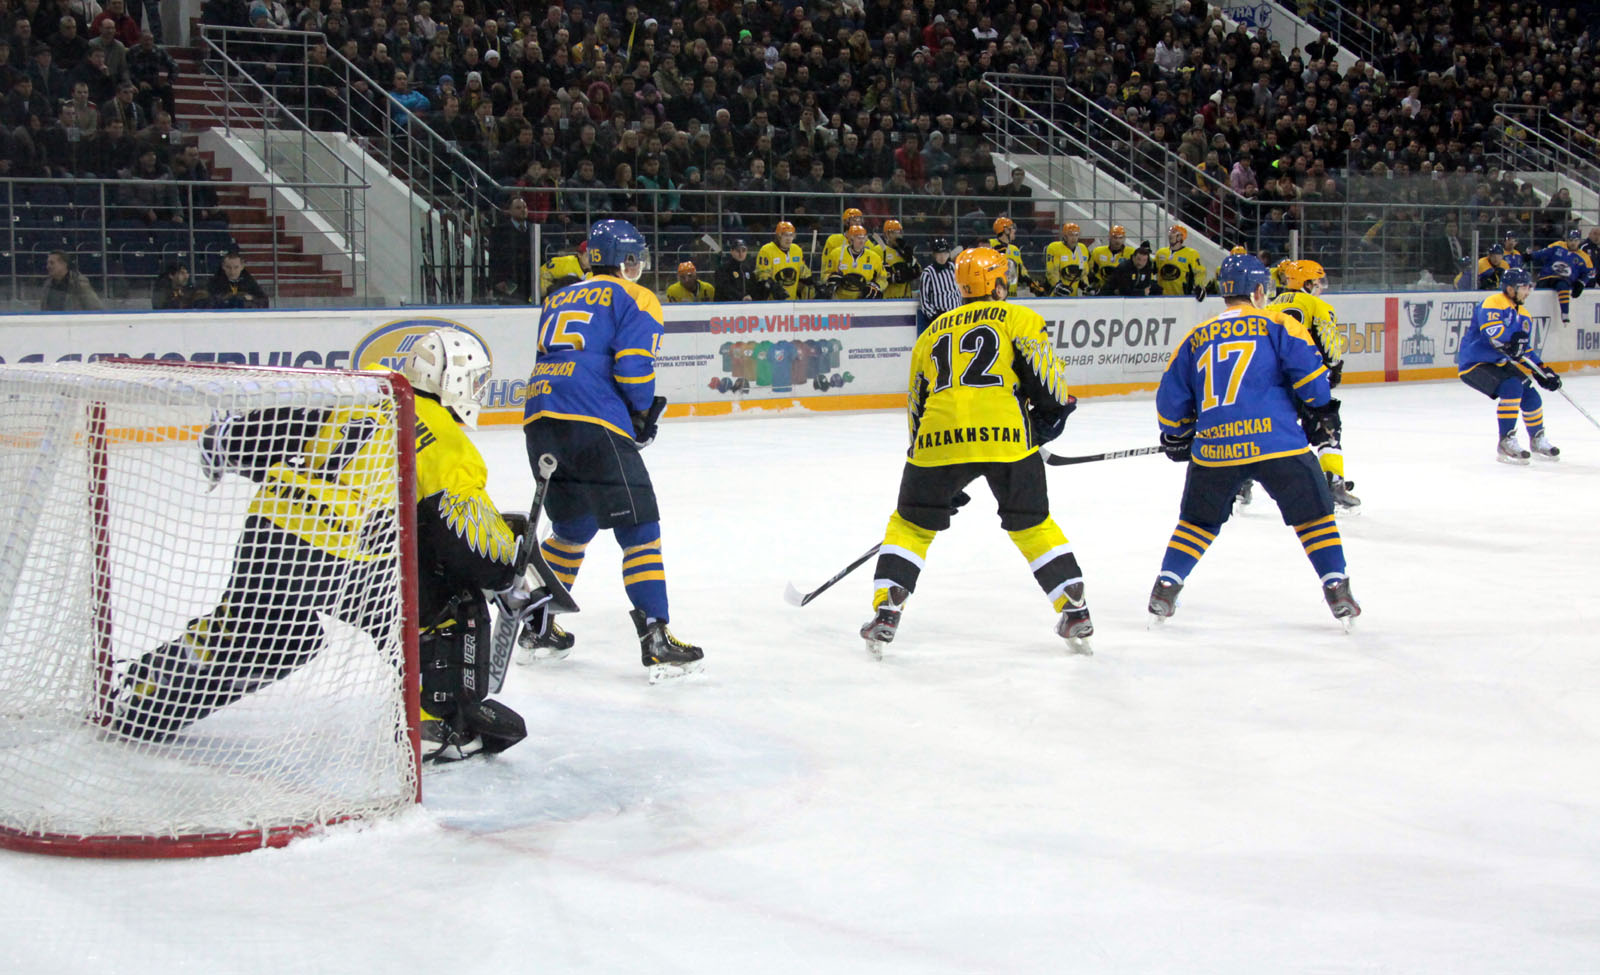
{"x": 1248, "y": 789}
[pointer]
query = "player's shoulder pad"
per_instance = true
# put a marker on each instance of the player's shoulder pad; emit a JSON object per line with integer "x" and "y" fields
{"x": 1294, "y": 327}
{"x": 643, "y": 297}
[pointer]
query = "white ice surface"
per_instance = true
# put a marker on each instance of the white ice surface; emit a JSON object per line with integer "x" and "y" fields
{"x": 1246, "y": 790}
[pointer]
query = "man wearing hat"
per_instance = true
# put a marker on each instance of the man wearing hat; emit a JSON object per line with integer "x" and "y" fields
{"x": 736, "y": 273}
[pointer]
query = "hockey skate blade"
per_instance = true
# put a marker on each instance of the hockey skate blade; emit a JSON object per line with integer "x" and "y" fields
{"x": 527, "y": 658}
{"x": 874, "y": 648}
{"x": 662, "y": 673}
{"x": 1080, "y": 646}
{"x": 1348, "y": 623}
{"x": 1157, "y": 622}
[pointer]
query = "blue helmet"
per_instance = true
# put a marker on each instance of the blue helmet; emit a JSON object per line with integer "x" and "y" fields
{"x": 612, "y": 242}
{"x": 1495, "y": 250}
{"x": 1240, "y": 275}
{"x": 1515, "y": 277}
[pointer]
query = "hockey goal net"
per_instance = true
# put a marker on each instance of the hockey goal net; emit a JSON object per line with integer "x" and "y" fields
{"x": 207, "y": 605}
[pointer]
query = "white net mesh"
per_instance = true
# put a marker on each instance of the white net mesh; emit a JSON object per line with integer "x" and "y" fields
{"x": 184, "y": 657}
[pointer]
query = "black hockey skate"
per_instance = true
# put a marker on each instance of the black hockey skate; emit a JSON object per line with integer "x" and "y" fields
{"x": 1344, "y": 605}
{"x": 1164, "y": 599}
{"x": 1341, "y": 492}
{"x": 1075, "y": 626}
{"x": 665, "y": 655}
{"x": 879, "y": 631}
{"x": 542, "y": 638}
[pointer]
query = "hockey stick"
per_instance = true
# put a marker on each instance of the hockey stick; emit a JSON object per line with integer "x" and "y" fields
{"x": 794, "y": 597}
{"x": 1541, "y": 369}
{"x": 503, "y": 637}
{"x": 1058, "y": 460}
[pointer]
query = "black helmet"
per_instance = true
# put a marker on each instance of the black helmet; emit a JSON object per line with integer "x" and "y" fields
{"x": 939, "y": 244}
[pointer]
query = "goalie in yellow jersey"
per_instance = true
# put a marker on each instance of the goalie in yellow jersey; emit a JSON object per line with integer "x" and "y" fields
{"x": 320, "y": 531}
{"x": 1304, "y": 284}
{"x": 986, "y": 390}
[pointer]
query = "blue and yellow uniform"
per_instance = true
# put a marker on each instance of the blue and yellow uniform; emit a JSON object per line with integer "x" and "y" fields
{"x": 1227, "y": 405}
{"x": 590, "y": 394}
{"x": 1564, "y": 268}
{"x": 1500, "y": 333}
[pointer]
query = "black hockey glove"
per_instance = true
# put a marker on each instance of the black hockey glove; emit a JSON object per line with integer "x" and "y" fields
{"x": 1335, "y": 373}
{"x": 1545, "y": 376}
{"x": 1047, "y": 421}
{"x": 1515, "y": 345}
{"x": 1327, "y": 417}
{"x": 1062, "y": 290}
{"x": 1039, "y": 288}
{"x": 901, "y": 273}
{"x": 871, "y": 291}
{"x": 1177, "y": 447}
{"x": 960, "y": 499}
{"x": 644, "y": 423}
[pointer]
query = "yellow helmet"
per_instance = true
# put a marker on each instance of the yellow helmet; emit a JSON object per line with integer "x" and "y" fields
{"x": 1118, "y": 230}
{"x": 1301, "y": 273}
{"x": 892, "y": 227}
{"x": 1239, "y": 249}
{"x": 855, "y": 233}
{"x": 1003, "y": 224}
{"x": 783, "y": 227}
{"x": 851, "y": 216}
{"x": 1070, "y": 228}
{"x": 1180, "y": 230}
{"x": 979, "y": 270}
{"x": 687, "y": 267}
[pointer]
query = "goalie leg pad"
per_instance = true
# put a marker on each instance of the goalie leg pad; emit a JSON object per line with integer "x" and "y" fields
{"x": 454, "y": 655}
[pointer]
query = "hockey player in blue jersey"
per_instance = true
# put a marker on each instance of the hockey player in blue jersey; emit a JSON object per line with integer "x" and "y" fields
{"x": 1226, "y": 408}
{"x": 1495, "y": 359}
{"x": 591, "y": 403}
{"x": 1564, "y": 268}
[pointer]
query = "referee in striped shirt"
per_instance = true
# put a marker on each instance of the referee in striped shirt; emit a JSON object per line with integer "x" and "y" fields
{"x": 937, "y": 293}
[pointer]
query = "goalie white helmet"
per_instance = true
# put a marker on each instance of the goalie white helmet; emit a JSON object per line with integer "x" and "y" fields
{"x": 453, "y": 366}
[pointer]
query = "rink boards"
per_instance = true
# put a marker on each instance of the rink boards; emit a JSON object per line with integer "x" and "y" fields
{"x": 726, "y": 358}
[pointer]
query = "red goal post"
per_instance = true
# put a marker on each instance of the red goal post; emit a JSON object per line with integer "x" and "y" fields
{"x": 116, "y": 544}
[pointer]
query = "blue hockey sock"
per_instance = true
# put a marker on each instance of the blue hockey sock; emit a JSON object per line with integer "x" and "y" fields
{"x": 1533, "y": 411}
{"x": 643, "y": 573}
{"x": 1188, "y": 543}
{"x": 563, "y": 550}
{"x": 1320, "y": 539}
{"x": 1511, "y": 392}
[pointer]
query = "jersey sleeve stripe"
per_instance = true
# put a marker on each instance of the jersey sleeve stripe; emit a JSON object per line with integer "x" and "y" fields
{"x": 646, "y": 378}
{"x": 1320, "y": 370}
{"x": 644, "y": 352}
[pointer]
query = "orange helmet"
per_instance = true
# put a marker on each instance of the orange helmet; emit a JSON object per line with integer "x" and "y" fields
{"x": 979, "y": 270}
{"x": 1070, "y": 228}
{"x": 687, "y": 267}
{"x": 1118, "y": 230}
{"x": 892, "y": 227}
{"x": 1003, "y": 224}
{"x": 1301, "y": 273}
{"x": 1180, "y": 230}
{"x": 1239, "y": 249}
{"x": 783, "y": 227}
{"x": 850, "y": 216}
{"x": 855, "y": 233}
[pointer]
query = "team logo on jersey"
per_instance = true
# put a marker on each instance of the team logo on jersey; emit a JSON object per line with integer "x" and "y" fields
{"x": 1416, "y": 349}
{"x": 390, "y": 345}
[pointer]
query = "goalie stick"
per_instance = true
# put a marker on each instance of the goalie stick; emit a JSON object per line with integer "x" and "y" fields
{"x": 794, "y": 597}
{"x": 506, "y": 626}
{"x": 1059, "y": 460}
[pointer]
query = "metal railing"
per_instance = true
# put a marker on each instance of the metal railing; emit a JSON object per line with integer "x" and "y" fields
{"x": 121, "y": 233}
{"x": 324, "y": 91}
{"x": 1368, "y": 232}
{"x": 1533, "y": 140}
{"x": 290, "y": 151}
{"x": 1353, "y": 32}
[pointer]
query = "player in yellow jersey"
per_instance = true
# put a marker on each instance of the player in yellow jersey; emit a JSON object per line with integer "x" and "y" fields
{"x": 1005, "y": 234}
{"x": 781, "y": 265}
{"x": 1107, "y": 256}
{"x": 1303, "y": 302}
{"x": 689, "y": 287}
{"x": 899, "y": 263}
{"x": 850, "y": 218}
{"x": 322, "y": 523}
{"x": 564, "y": 269}
{"x": 1066, "y": 261}
{"x": 1178, "y": 266}
{"x": 986, "y": 389}
{"x": 855, "y": 271}
{"x": 1280, "y": 276}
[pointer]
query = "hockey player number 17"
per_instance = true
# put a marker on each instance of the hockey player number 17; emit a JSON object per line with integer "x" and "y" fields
{"x": 984, "y": 346}
{"x": 1212, "y": 360}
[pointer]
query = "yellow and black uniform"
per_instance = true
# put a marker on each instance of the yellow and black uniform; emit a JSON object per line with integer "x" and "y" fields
{"x": 900, "y": 267}
{"x": 1280, "y": 277}
{"x": 558, "y": 272}
{"x": 984, "y": 378}
{"x": 1016, "y": 272}
{"x": 836, "y": 241}
{"x": 787, "y": 270}
{"x": 703, "y": 291}
{"x": 1180, "y": 271}
{"x": 1317, "y": 316}
{"x": 1103, "y": 259}
{"x": 855, "y": 276}
{"x": 1065, "y": 266}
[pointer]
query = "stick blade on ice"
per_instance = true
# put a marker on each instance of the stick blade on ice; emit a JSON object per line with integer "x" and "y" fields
{"x": 793, "y": 596}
